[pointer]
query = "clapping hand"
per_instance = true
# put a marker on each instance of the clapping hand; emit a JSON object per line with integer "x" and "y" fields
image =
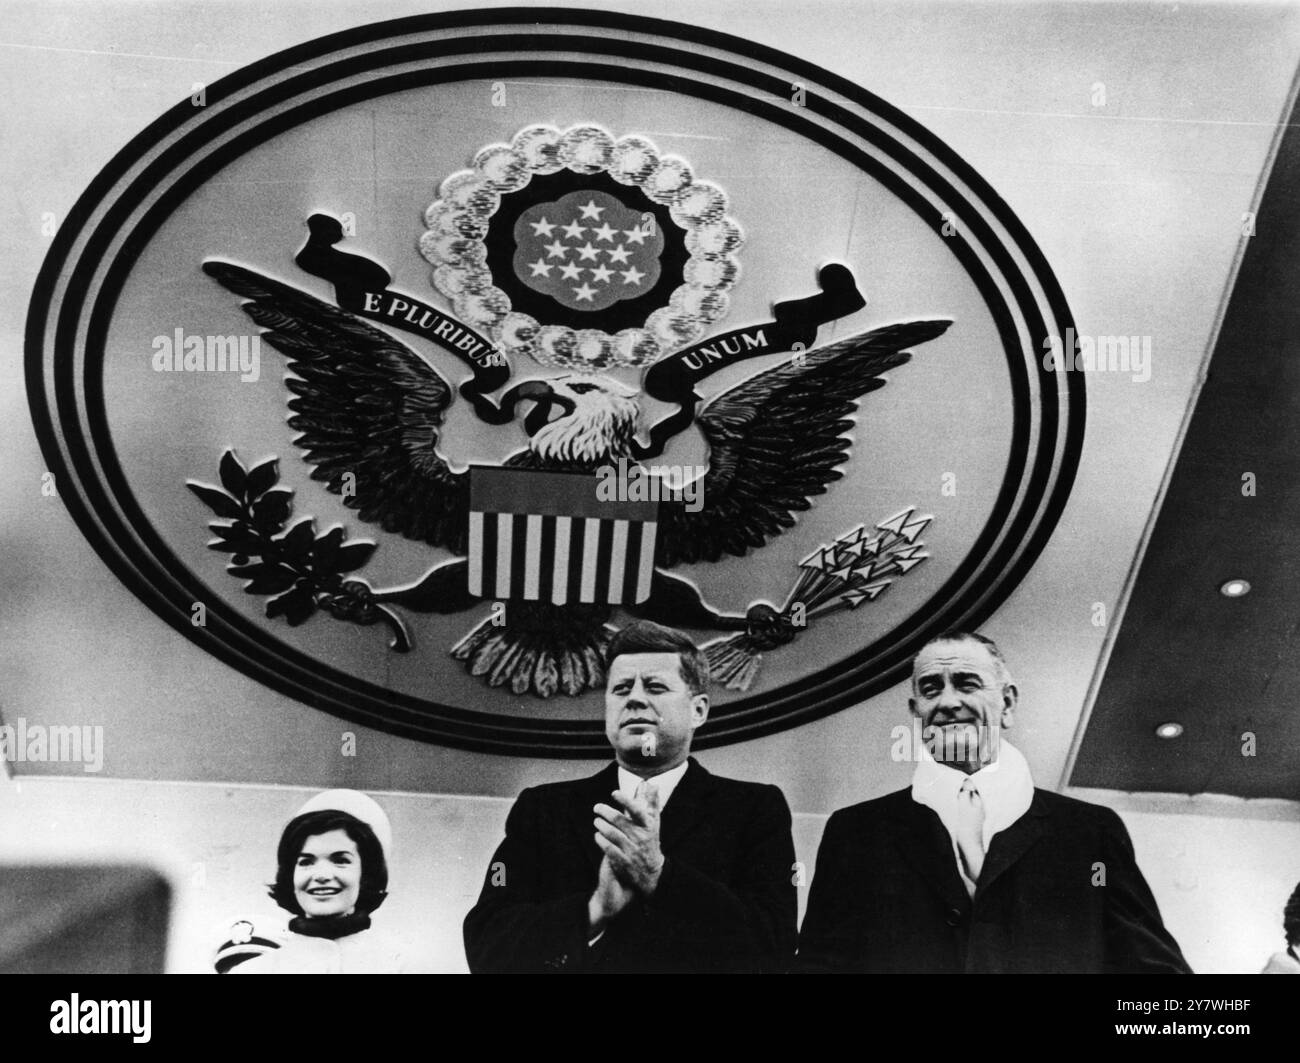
{"x": 609, "y": 900}
{"x": 629, "y": 838}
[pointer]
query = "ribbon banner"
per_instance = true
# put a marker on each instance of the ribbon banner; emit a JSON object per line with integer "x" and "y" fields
{"x": 490, "y": 368}
{"x": 794, "y": 327}
{"x": 361, "y": 287}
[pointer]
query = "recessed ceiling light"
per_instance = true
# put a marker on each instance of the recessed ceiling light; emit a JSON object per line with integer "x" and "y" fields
{"x": 1234, "y": 588}
{"x": 1169, "y": 730}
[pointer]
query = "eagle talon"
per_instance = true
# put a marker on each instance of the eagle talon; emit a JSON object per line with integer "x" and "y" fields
{"x": 768, "y": 628}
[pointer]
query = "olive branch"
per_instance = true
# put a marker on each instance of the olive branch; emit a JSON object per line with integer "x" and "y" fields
{"x": 304, "y": 571}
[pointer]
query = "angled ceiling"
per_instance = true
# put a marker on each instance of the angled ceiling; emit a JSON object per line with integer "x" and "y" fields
{"x": 1224, "y": 668}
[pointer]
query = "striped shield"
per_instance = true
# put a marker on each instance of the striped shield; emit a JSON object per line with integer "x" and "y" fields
{"x": 548, "y": 536}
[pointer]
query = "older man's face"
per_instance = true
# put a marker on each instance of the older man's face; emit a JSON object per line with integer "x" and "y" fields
{"x": 963, "y": 701}
{"x": 650, "y": 713}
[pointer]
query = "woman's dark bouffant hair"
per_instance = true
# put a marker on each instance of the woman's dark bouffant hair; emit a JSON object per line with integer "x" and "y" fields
{"x": 1291, "y": 918}
{"x": 374, "y": 868}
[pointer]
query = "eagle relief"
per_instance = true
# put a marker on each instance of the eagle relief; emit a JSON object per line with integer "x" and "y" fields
{"x": 573, "y": 251}
{"x": 423, "y": 356}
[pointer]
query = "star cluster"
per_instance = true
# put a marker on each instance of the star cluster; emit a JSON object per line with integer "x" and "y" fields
{"x": 587, "y": 251}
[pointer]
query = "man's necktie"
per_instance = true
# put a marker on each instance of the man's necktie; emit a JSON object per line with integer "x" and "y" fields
{"x": 970, "y": 829}
{"x": 644, "y": 789}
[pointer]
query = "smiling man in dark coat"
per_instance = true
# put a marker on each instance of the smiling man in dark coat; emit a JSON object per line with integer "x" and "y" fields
{"x": 651, "y": 865}
{"x": 973, "y": 869}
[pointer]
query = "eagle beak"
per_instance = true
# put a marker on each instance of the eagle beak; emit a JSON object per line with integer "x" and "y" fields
{"x": 544, "y": 400}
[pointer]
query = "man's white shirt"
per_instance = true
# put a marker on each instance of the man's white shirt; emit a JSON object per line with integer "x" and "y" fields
{"x": 1006, "y": 789}
{"x": 665, "y": 783}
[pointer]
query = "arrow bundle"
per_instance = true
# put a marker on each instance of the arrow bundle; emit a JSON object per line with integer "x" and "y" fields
{"x": 857, "y": 567}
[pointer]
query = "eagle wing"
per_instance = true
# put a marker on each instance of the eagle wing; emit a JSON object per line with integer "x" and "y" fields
{"x": 776, "y": 440}
{"x": 365, "y": 405}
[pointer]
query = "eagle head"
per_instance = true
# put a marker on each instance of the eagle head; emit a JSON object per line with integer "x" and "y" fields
{"x": 597, "y": 422}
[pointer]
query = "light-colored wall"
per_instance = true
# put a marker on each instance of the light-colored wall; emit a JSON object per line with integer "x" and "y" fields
{"x": 1220, "y": 881}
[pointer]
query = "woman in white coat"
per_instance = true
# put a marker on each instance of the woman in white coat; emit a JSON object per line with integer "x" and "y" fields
{"x": 331, "y": 873}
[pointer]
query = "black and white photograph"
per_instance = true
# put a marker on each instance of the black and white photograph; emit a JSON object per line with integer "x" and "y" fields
{"x": 732, "y": 488}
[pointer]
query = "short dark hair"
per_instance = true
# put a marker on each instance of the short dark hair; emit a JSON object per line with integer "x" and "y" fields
{"x": 374, "y": 868}
{"x": 961, "y": 635}
{"x": 1291, "y": 918}
{"x": 645, "y": 636}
